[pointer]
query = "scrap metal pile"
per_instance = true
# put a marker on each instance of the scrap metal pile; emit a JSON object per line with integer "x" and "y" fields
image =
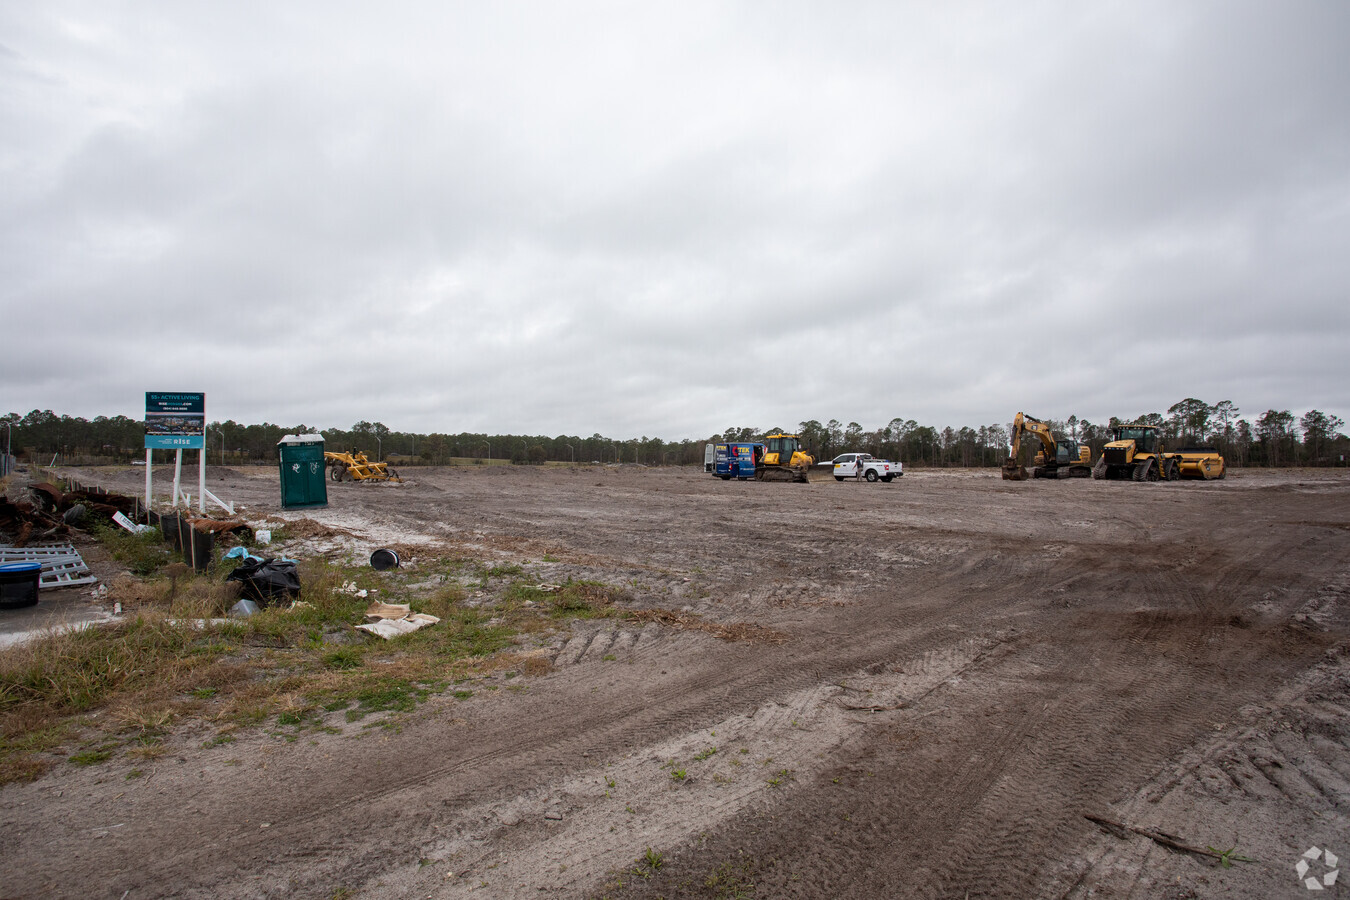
{"x": 47, "y": 512}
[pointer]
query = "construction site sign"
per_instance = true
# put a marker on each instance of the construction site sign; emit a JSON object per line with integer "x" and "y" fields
{"x": 175, "y": 421}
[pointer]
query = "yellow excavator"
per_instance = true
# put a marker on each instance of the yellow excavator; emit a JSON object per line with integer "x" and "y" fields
{"x": 783, "y": 459}
{"x": 1056, "y": 458}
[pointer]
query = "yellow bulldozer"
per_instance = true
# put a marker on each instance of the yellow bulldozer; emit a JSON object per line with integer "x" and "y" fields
{"x": 1057, "y": 458}
{"x": 356, "y": 466}
{"x": 783, "y": 459}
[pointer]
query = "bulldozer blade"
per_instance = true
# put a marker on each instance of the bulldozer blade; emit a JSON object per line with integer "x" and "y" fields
{"x": 819, "y": 472}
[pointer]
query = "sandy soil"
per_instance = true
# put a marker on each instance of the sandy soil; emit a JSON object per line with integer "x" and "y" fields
{"x": 965, "y": 668}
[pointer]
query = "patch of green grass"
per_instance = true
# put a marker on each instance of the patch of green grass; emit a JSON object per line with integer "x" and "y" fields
{"x": 704, "y": 754}
{"x": 158, "y": 667}
{"x": 343, "y": 658}
{"x": 143, "y": 554}
{"x": 504, "y": 570}
{"x": 90, "y": 757}
{"x": 463, "y": 632}
{"x": 76, "y": 670}
{"x": 583, "y": 600}
{"x": 519, "y": 592}
{"x": 649, "y": 863}
{"x": 296, "y": 717}
{"x": 19, "y": 760}
{"x": 1229, "y": 856}
{"x": 380, "y": 693}
{"x": 732, "y": 881}
{"x": 462, "y": 695}
{"x": 679, "y": 774}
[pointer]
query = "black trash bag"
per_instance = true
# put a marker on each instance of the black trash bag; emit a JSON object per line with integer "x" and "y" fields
{"x": 268, "y": 582}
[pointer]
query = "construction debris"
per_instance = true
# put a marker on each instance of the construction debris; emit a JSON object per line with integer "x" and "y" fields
{"x": 380, "y": 610}
{"x": 62, "y": 565}
{"x": 394, "y": 619}
{"x": 269, "y": 581}
{"x": 392, "y": 628}
{"x": 133, "y": 527}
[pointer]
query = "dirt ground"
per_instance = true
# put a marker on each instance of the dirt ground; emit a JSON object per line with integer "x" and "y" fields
{"x": 949, "y": 674}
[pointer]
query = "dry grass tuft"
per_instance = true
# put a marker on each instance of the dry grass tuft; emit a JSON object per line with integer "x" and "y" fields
{"x": 537, "y": 665}
{"x": 734, "y": 631}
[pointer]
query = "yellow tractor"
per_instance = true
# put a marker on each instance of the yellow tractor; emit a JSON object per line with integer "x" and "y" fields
{"x": 356, "y": 466}
{"x": 783, "y": 459}
{"x": 1056, "y": 458}
{"x": 1136, "y": 452}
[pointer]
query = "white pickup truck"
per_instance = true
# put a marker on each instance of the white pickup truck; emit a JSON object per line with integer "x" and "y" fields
{"x": 873, "y": 469}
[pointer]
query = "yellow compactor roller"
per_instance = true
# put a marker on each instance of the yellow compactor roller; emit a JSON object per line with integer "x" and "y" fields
{"x": 1199, "y": 462}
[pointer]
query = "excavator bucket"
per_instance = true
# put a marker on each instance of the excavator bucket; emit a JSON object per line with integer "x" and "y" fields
{"x": 1014, "y": 471}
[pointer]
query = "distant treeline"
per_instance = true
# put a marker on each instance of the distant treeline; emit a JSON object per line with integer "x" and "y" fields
{"x": 1274, "y": 438}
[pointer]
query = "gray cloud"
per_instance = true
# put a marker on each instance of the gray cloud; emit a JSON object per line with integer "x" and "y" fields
{"x": 597, "y": 218}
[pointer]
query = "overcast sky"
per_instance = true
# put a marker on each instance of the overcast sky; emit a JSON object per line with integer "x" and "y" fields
{"x": 664, "y": 220}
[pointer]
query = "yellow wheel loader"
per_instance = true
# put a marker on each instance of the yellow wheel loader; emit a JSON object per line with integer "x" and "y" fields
{"x": 1056, "y": 458}
{"x": 355, "y": 466}
{"x": 1136, "y": 452}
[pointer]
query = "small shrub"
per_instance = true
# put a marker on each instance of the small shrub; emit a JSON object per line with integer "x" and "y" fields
{"x": 144, "y": 554}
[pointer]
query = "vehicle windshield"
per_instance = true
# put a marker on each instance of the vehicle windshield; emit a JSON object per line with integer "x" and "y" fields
{"x": 1144, "y": 438}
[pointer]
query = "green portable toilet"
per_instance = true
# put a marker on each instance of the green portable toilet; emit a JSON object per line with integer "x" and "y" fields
{"x": 302, "y": 471}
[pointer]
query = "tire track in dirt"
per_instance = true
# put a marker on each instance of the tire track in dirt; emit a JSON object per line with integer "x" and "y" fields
{"x": 682, "y": 785}
{"x": 1269, "y": 785}
{"x": 546, "y": 752}
{"x": 1059, "y": 751}
{"x": 979, "y": 574}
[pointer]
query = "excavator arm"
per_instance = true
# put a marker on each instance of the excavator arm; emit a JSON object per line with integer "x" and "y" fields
{"x": 1013, "y": 470}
